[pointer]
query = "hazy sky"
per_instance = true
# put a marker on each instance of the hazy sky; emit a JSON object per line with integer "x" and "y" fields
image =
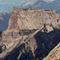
{"x": 6, "y": 5}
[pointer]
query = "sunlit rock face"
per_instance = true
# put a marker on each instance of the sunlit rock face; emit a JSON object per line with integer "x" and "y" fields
{"x": 32, "y": 18}
{"x": 24, "y": 22}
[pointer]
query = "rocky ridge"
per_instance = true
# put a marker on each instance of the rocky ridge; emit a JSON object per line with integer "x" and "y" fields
{"x": 24, "y": 22}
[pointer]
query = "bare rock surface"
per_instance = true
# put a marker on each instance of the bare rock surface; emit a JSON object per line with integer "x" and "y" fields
{"x": 24, "y": 22}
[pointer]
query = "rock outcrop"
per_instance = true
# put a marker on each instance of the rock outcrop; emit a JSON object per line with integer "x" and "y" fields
{"x": 23, "y": 23}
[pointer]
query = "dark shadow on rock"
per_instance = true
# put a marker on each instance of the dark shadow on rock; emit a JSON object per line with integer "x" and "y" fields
{"x": 27, "y": 56}
{"x": 24, "y": 56}
{"x": 46, "y": 42}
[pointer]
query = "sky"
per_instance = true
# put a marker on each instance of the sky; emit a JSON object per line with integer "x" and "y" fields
{"x": 7, "y": 5}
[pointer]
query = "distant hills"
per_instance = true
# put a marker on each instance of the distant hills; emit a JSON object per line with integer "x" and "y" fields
{"x": 4, "y": 18}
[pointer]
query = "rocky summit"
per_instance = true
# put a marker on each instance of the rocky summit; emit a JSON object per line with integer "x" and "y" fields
{"x": 31, "y": 35}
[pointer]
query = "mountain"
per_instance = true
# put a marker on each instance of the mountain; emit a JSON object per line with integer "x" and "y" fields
{"x": 31, "y": 34}
{"x": 33, "y": 21}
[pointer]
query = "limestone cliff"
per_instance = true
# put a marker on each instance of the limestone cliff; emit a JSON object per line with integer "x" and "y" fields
{"x": 24, "y": 24}
{"x": 33, "y": 18}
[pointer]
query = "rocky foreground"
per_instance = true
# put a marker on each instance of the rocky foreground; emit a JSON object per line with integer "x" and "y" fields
{"x": 32, "y": 33}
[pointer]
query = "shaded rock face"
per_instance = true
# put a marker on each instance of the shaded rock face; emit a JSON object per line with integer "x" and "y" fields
{"x": 45, "y": 43}
{"x": 23, "y": 23}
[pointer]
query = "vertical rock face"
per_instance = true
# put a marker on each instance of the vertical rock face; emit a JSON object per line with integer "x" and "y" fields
{"x": 13, "y": 25}
{"x": 23, "y": 21}
{"x": 32, "y": 18}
